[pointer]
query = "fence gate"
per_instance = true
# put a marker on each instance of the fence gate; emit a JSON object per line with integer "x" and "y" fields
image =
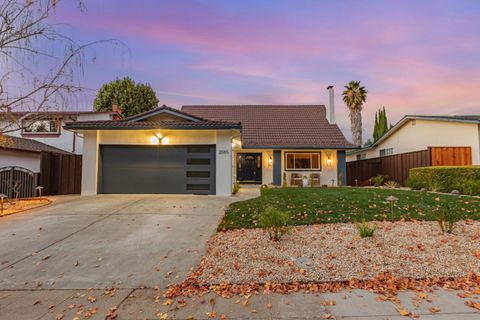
{"x": 18, "y": 182}
{"x": 60, "y": 173}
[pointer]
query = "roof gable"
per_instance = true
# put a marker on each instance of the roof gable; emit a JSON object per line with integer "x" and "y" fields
{"x": 163, "y": 113}
{"x": 278, "y": 126}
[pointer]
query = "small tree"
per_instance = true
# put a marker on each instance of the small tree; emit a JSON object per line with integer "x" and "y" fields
{"x": 275, "y": 222}
{"x": 131, "y": 97}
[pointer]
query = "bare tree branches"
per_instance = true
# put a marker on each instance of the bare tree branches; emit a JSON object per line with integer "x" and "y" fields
{"x": 26, "y": 34}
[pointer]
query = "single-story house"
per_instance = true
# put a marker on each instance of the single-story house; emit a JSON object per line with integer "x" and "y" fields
{"x": 47, "y": 126}
{"x": 420, "y": 132}
{"x": 206, "y": 149}
{"x": 25, "y": 153}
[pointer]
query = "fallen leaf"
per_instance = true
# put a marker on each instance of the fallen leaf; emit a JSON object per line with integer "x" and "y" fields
{"x": 168, "y": 302}
{"x": 91, "y": 299}
{"x": 434, "y": 309}
{"x": 404, "y": 312}
{"x": 162, "y": 315}
{"x": 36, "y": 302}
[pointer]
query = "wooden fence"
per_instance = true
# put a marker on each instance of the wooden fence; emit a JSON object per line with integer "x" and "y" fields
{"x": 60, "y": 173}
{"x": 397, "y": 166}
{"x": 17, "y": 182}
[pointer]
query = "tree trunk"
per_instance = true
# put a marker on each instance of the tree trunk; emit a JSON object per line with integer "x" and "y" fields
{"x": 356, "y": 125}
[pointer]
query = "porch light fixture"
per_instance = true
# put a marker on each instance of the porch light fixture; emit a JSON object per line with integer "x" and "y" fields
{"x": 165, "y": 140}
{"x": 329, "y": 160}
{"x": 154, "y": 140}
{"x": 270, "y": 161}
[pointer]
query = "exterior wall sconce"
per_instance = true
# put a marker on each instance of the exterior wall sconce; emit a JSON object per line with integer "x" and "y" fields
{"x": 270, "y": 161}
{"x": 158, "y": 138}
{"x": 329, "y": 160}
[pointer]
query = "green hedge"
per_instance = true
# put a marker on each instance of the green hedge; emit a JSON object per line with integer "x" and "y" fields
{"x": 465, "y": 179}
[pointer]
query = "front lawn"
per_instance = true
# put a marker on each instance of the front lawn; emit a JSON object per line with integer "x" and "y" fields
{"x": 331, "y": 205}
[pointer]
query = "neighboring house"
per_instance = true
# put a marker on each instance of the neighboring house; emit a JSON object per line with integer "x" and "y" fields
{"x": 205, "y": 149}
{"x": 416, "y": 132}
{"x": 47, "y": 127}
{"x": 25, "y": 153}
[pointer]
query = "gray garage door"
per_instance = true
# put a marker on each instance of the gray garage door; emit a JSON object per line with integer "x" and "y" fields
{"x": 157, "y": 169}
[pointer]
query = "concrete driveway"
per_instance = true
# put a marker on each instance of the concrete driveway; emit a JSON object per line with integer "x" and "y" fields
{"x": 85, "y": 245}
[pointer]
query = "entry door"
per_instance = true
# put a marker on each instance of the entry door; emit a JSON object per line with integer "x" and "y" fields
{"x": 249, "y": 167}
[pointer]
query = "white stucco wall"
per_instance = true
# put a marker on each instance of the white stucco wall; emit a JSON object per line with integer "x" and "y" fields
{"x": 427, "y": 133}
{"x": 90, "y": 163}
{"x": 220, "y": 138}
{"x": 27, "y": 160}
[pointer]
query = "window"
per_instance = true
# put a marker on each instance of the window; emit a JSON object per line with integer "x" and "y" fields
{"x": 44, "y": 126}
{"x": 386, "y": 152}
{"x": 361, "y": 156}
{"x": 302, "y": 161}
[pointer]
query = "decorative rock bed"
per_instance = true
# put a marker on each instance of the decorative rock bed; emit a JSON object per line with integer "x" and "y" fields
{"x": 335, "y": 252}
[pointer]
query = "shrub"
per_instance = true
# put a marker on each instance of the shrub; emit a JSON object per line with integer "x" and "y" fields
{"x": 445, "y": 178}
{"x": 378, "y": 180}
{"x": 435, "y": 186}
{"x": 446, "y": 216}
{"x": 414, "y": 183}
{"x": 236, "y": 188}
{"x": 472, "y": 187}
{"x": 264, "y": 186}
{"x": 275, "y": 222}
{"x": 365, "y": 229}
{"x": 284, "y": 183}
{"x": 391, "y": 184}
{"x": 312, "y": 182}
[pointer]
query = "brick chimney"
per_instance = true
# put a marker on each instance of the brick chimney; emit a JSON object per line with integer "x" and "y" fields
{"x": 116, "y": 108}
{"x": 330, "y": 107}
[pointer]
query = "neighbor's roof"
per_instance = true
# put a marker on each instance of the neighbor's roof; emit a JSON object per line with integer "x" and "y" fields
{"x": 54, "y": 113}
{"x": 278, "y": 126}
{"x": 473, "y": 119}
{"x": 27, "y": 145}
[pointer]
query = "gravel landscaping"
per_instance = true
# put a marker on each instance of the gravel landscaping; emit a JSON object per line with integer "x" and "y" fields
{"x": 335, "y": 252}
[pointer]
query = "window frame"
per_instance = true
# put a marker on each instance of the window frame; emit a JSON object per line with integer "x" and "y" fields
{"x": 26, "y": 123}
{"x": 386, "y": 152}
{"x": 361, "y": 156}
{"x": 311, "y": 161}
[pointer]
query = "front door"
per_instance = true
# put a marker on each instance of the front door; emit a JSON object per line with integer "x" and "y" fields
{"x": 249, "y": 167}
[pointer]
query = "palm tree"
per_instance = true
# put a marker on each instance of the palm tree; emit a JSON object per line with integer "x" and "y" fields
{"x": 354, "y": 97}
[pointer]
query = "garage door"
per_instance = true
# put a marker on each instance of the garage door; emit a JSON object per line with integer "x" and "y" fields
{"x": 157, "y": 169}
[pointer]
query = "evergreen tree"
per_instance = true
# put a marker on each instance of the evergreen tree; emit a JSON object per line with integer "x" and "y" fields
{"x": 381, "y": 124}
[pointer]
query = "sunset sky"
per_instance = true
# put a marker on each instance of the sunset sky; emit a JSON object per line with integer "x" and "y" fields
{"x": 414, "y": 57}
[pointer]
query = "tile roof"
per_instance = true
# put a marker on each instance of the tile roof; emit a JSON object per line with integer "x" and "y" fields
{"x": 278, "y": 126}
{"x": 28, "y": 145}
{"x": 129, "y": 125}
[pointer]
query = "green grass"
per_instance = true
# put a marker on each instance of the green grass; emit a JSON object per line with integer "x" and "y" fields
{"x": 330, "y": 205}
